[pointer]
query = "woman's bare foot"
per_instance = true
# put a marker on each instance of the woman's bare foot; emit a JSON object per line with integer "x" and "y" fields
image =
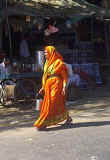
{"x": 68, "y": 122}
{"x": 41, "y": 128}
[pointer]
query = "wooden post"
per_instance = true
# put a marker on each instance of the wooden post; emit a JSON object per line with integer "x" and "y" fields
{"x": 92, "y": 28}
{"x": 9, "y": 32}
{"x": 107, "y": 39}
{"x": 1, "y": 32}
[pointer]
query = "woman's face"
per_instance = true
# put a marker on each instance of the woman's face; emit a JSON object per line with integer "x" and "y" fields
{"x": 46, "y": 54}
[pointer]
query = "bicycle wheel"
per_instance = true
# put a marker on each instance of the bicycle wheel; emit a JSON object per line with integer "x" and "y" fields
{"x": 3, "y": 97}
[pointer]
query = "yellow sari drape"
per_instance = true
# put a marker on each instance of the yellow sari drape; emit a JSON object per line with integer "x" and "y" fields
{"x": 53, "y": 108}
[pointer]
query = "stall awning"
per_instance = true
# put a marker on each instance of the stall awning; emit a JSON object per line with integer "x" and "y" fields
{"x": 51, "y": 8}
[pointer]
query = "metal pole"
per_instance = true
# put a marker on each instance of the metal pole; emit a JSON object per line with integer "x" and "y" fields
{"x": 92, "y": 28}
{"x": 9, "y": 33}
{"x": 106, "y": 39}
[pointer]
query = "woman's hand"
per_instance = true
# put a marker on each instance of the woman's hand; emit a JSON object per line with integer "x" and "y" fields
{"x": 41, "y": 91}
{"x": 64, "y": 91}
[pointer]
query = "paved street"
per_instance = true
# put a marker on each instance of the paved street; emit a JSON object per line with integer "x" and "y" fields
{"x": 87, "y": 139}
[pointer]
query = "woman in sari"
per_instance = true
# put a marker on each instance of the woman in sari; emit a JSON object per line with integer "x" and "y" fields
{"x": 54, "y": 80}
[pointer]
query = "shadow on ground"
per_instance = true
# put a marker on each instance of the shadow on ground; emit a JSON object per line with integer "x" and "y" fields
{"x": 58, "y": 127}
{"x": 79, "y": 125}
{"x": 16, "y": 116}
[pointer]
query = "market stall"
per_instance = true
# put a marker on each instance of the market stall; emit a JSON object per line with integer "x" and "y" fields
{"x": 82, "y": 59}
{"x": 53, "y": 26}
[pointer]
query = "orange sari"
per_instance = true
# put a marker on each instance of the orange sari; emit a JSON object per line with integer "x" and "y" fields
{"x": 54, "y": 78}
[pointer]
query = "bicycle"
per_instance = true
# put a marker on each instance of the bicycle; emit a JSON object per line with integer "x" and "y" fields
{"x": 24, "y": 90}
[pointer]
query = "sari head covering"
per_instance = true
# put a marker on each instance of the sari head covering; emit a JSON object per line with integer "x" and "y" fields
{"x": 53, "y": 56}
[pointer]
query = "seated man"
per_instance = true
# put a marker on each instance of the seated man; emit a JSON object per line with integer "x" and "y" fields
{"x": 74, "y": 77}
{"x": 89, "y": 79}
{"x": 73, "y": 90}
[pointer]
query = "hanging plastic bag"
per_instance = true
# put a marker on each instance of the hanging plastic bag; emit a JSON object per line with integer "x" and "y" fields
{"x": 47, "y": 32}
{"x": 53, "y": 29}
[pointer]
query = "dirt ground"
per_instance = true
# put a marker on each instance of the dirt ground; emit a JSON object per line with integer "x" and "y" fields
{"x": 95, "y": 102}
{"x": 20, "y": 116}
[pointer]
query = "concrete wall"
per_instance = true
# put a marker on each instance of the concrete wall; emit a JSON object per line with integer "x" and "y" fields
{"x": 106, "y": 3}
